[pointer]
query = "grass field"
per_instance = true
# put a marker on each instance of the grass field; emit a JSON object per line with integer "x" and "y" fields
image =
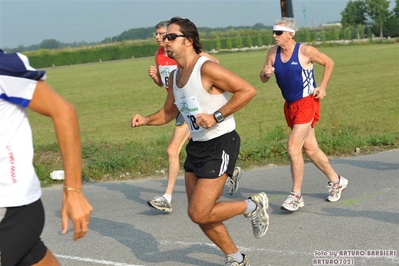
{"x": 361, "y": 110}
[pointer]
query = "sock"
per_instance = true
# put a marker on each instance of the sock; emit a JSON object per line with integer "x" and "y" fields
{"x": 297, "y": 194}
{"x": 336, "y": 181}
{"x": 251, "y": 206}
{"x": 237, "y": 256}
{"x": 168, "y": 197}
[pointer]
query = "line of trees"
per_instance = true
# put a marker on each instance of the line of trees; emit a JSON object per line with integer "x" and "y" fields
{"x": 359, "y": 18}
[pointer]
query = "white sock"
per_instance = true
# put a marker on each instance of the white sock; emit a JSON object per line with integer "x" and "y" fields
{"x": 168, "y": 197}
{"x": 251, "y": 206}
{"x": 298, "y": 194}
{"x": 237, "y": 256}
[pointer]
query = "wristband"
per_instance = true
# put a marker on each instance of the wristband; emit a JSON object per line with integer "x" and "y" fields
{"x": 266, "y": 77}
{"x": 72, "y": 189}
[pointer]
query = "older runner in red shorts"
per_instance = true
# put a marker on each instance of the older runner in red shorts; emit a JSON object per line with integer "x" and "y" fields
{"x": 292, "y": 64}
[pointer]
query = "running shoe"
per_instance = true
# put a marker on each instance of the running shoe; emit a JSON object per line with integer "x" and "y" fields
{"x": 233, "y": 182}
{"x": 231, "y": 262}
{"x": 293, "y": 202}
{"x": 259, "y": 217}
{"x": 160, "y": 203}
{"x": 335, "y": 189}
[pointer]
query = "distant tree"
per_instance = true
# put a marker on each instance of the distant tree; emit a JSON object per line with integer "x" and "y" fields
{"x": 106, "y": 40}
{"x": 229, "y": 43}
{"x": 336, "y": 34}
{"x": 360, "y": 30}
{"x": 268, "y": 39}
{"x": 249, "y": 42}
{"x": 392, "y": 25}
{"x": 33, "y": 47}
{"x": 238, "y": 41}
{"x": 135, "y": 34}
{"x": 202, "y": 35}
{"x": 259, "y": 39}
{"x": 49, "y": 44}
{"x": 258, "y": 26}
{"x": 378, "y": 11}
{"x": 307, "y": 36}
{"x": 332, "y": 34}
{"x": 347, "y": 33}
{"x": 396, "y": 9}
{"x": 20, "y": 48}
{"x": 249, "y": 32}
{"x": 323, "y": 36}
{"x": 313, "y": 36}
{"x": 218, "y": 43}
{"x": 232, "y": 33}
{"x": 369, "y": 33}
{"x": 213, "y": 34}
{"x": 354, "y": 14}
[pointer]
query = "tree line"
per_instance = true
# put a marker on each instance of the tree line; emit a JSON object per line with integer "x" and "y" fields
{"x": 360, "y": 18}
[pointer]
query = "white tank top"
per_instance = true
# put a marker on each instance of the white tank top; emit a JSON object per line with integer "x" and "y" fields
{"x": 193, "y": 99}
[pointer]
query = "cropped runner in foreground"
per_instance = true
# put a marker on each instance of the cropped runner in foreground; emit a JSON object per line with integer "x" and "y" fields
{"x": 21, "y": 209}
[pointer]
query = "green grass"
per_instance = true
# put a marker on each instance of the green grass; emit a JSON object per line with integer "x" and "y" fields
{"x": 361, "y": 110}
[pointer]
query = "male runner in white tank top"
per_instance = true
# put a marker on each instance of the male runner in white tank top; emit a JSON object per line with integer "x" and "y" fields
{"x": 160, "y": 75}
{"x": 200, "y": 90}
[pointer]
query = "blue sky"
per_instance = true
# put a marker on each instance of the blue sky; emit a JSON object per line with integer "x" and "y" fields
{"x": 27, "y": 22}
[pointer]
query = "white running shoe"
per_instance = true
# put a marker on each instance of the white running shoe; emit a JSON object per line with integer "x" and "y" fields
{"x": 160, "y": 203}
{"x": 259, "y": 217}
{"x": 293, "y": 202}
{"x": 234, "y": 182}
{"x": 335, "y": 189}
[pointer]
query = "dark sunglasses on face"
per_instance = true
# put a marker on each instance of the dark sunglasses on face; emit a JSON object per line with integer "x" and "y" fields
{"x": 278, "y": 32}
{"x": 172, "y": 36}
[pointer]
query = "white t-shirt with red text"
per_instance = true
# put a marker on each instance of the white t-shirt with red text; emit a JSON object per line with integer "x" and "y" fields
{"x": 19, "y": 184}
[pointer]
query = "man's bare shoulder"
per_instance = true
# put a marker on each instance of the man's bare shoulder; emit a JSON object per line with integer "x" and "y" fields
{"x": 210, "y": 65}
{"x": 273, "y": 49}
{"x": 307, "y": 49}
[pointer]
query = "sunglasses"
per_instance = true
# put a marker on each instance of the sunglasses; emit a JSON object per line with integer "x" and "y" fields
{"x": 172, "y": 36}
{"x": 278, "y": 32}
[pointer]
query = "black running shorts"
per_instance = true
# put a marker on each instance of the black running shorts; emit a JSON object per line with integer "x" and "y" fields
{"x": 20, "y": 230}
{"x": 213, "y": 158}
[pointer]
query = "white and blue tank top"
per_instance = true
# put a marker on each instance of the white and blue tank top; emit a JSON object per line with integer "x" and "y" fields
{"x": 294, "y": 81}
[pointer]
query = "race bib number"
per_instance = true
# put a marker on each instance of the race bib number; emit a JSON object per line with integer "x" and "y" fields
{"x": 189, "y": 108}
{"x": 164, "y": 72}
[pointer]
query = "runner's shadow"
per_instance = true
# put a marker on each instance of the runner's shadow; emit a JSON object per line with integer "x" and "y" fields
{"x": 372, "y": 165}
{"x": 133, "y": 192}
{"x": 387, "y": 217}
{"x": 146, "y": 248}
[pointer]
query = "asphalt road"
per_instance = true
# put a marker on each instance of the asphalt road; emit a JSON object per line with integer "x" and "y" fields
{"x": 124, "y": 231}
